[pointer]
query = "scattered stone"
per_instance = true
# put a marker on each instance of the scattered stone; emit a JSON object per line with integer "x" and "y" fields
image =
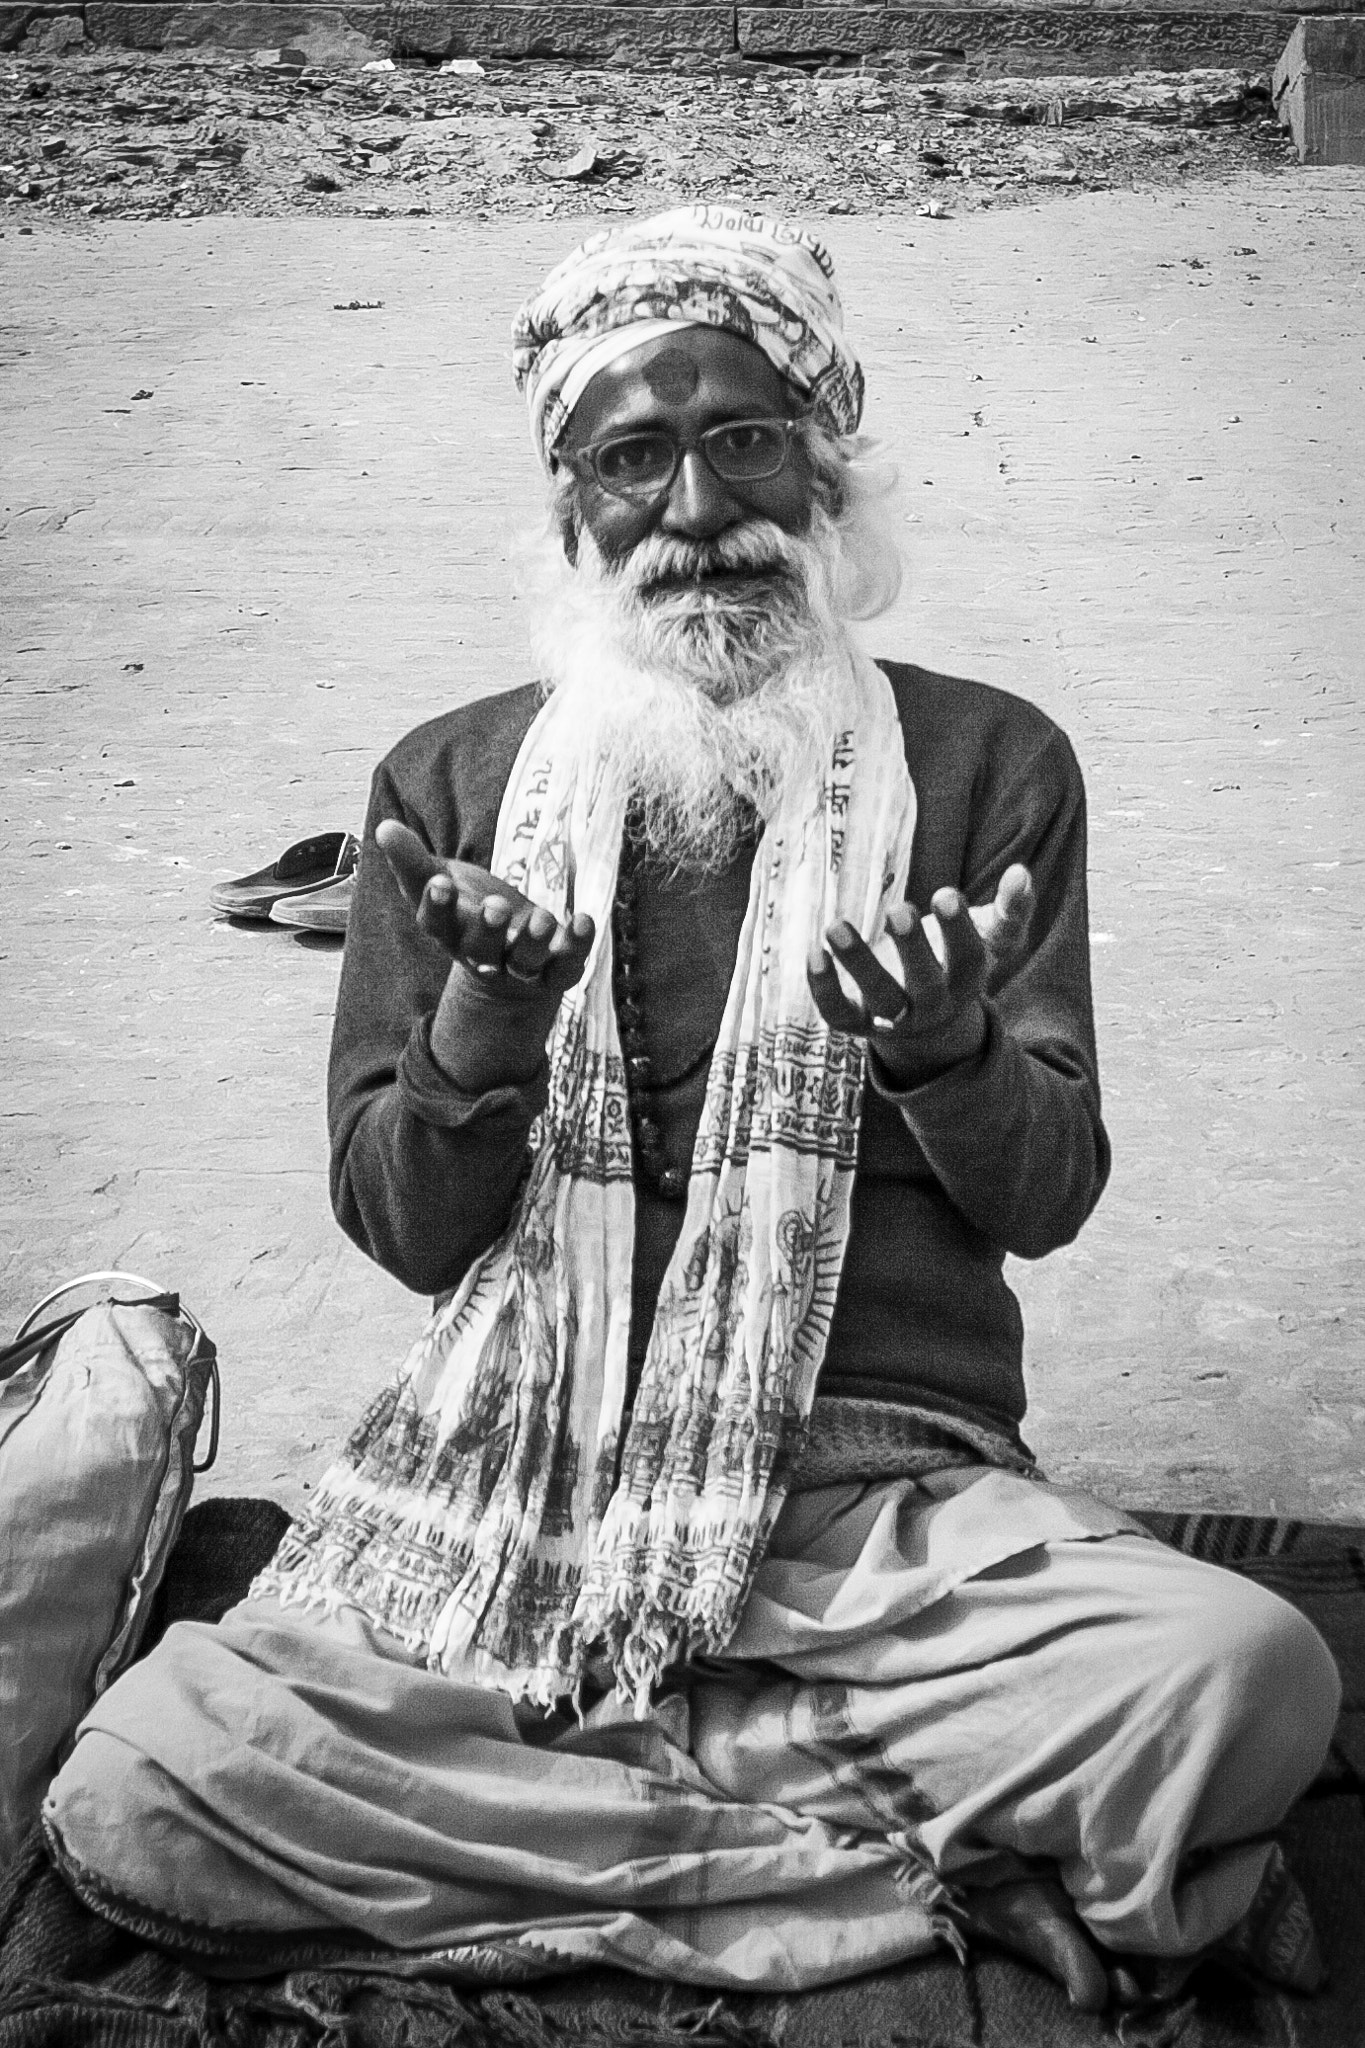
{"x": 593, "y": 163}
{"x": 146, "y": 134}
{"x": 581, "y": 166}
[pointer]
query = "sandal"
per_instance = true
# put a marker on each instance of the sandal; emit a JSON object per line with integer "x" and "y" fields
{"x": 308, "y": 865}
{"x": 319, "y": 910}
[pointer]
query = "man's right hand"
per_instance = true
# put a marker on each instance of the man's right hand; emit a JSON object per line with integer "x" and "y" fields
{"x": 511, "y": 961}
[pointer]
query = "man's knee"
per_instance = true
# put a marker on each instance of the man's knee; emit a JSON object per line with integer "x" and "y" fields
{"x": 104, "y": 1798}
{"x": 1271, "y": 1691}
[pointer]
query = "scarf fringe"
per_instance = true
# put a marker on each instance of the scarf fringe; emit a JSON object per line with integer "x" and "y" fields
{"x": 327, "y": 1567}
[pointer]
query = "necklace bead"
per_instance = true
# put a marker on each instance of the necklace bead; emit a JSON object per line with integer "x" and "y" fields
{"x": 649, "y": 1160}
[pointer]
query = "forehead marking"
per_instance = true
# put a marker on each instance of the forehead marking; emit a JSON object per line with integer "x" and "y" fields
{"x": 671, "y": 375}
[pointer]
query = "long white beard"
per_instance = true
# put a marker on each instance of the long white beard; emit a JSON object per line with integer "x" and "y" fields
{"x": 704, "y": 702}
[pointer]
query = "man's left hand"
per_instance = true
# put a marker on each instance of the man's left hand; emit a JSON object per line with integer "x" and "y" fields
{"x": 932, "y": 1017}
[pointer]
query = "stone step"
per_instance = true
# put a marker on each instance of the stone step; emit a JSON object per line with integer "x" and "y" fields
{"x": 1027, "y": 37}
{"x": 1319, "y": 89}
{"x": 451, "y": 28}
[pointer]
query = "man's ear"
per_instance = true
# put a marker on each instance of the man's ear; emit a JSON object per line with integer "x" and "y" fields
{"x": 827, "y": 468}
{"x": 568, "y": 513}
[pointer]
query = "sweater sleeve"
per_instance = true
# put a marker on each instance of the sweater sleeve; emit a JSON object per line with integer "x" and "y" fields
{"x": 1014, "y": 1135}
{"x": 423, "y": 1176}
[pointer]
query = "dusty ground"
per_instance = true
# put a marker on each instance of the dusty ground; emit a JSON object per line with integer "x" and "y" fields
{"x": 251, "y": 536}
{"x": 112, "y": 134}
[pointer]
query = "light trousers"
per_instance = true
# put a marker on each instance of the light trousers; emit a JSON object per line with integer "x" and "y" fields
{"x": 935, "y": 1685}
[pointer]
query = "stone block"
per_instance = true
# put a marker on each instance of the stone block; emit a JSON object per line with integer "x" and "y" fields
{"x": 1319, "y": 89}
{"x": 55, "y": 35}
{"x": 15, "y": 19}
{"x": 552, "y": 31}
{"x": 439, "y": 28}
{"x": 1025, "y": 39}
{"x": 352, "y": 32}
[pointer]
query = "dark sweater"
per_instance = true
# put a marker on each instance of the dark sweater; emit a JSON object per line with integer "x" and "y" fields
{"x": 1004, "y": 1153}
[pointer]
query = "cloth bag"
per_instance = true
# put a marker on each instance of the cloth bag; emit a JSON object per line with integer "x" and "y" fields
{"x": 100, "y": 1409}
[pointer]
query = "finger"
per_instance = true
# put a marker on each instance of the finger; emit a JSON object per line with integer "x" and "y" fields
{"x": 568, "y": 953}
{"x": 476, "y": 884}
{"x": 413, "y": 864}
{"x": 919, "y": 962}
{"x": 438, "y": 911}
{"x": 1016, "y": 897}
{"x": 964, "y": 950}
{"x": 528, "y": 944}
{"x": 1004, "y": 922}
{"x": 1015, "y": 902}
{"x": 878, "y": 987}
{"x": 483, "y": 939}
{"x": 828, "y": 994}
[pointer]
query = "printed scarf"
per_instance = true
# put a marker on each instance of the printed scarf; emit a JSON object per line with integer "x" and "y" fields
{"x": 488, "y": 1510}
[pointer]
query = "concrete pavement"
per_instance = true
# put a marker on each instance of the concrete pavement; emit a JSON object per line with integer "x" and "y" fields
{"x": 1132, "y": 449}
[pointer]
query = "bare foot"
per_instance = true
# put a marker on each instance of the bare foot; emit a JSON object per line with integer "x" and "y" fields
{"x": 1035, "y": 1919}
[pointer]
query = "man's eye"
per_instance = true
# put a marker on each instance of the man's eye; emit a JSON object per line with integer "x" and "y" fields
{"x": 744, "y": 439}
{"x": 634, "y": 459}
{"x": 748, "y": 449}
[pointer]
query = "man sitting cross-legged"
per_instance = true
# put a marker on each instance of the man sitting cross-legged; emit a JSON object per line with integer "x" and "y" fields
{"x": 715, "y": 1017}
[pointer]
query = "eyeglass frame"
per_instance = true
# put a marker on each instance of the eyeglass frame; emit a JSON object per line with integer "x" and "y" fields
{"x": 789, "y": 423}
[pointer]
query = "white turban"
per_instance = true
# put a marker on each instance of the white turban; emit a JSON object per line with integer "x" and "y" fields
{"x": 768, "y": 281}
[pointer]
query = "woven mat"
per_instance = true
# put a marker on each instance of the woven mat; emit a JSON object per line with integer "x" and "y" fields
{"x": 69, "y": 1980}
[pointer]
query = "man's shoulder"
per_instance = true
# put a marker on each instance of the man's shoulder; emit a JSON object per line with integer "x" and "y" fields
{"x": 977, "y": 717}
{"x": 459, "y": 761}
{"x": 480, "y": 732}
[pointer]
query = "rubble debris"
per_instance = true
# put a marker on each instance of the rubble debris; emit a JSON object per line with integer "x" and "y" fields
{"x": 594, "y": 163}
{"x": 115, "y": 133}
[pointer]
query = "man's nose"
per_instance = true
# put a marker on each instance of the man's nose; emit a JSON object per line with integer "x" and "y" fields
{"x": 699, "y": 504}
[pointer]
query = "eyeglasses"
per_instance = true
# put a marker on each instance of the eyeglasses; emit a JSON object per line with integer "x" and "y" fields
{"x": 642, "y": 466}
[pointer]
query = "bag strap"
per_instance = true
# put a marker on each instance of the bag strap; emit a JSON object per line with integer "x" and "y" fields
{"x": 153, "y": 1287}
{"x": 29, "y": 1342}
{"x": 14, "y": 1355}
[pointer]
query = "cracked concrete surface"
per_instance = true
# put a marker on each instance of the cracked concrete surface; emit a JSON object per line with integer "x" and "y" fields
{"x": 1132, "y": 451}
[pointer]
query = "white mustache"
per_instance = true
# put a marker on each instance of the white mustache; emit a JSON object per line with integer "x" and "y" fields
{"x": 758, "y": 547}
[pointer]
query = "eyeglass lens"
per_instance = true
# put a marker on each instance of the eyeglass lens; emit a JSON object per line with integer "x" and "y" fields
{"x": 644, "y": 465}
